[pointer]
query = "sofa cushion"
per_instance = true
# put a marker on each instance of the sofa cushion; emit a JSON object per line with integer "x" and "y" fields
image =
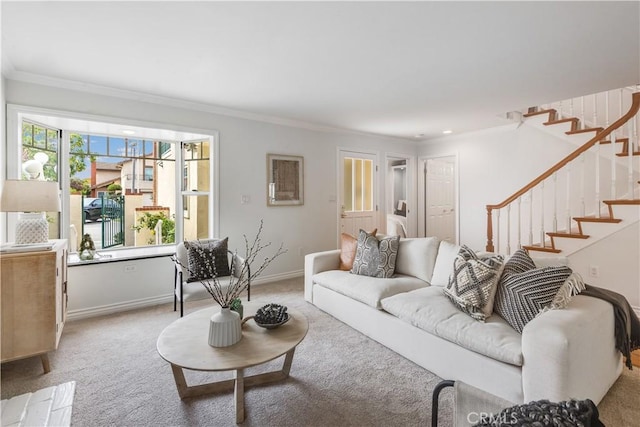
{"x": 368, "y": 290}
{"x": 521, "y": 296}
{"x": 447, "y": 253}
{"x": 417, "y": 257}
{"x": 473, "y": 283}
{"x": 375, "y": 258}
{"x": 429, "y": 309}
{"x": 348, "y": 246}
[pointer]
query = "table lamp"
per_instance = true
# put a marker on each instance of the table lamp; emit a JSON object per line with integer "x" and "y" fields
{"x": 33, "y": 198}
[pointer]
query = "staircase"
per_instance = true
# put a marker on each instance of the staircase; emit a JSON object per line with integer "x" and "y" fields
{"x": 592, "y": 193}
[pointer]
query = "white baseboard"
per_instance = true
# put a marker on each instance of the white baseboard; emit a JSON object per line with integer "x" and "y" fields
{"x": 102, "y": 310}
{"x": 275, "y": 277}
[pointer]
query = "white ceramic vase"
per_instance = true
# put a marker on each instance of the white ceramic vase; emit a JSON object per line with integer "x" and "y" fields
{"x": 225, "y": 328}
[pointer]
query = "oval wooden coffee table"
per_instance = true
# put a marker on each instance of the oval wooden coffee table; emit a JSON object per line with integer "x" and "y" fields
{"x": 184, "y": 344}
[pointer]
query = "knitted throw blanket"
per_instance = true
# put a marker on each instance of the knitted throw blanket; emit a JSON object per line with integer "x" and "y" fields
{"x": 627, "y": 324}
{"x": 543, "y": 413}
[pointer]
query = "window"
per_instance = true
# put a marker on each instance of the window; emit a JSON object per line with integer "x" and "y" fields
{"x": 148, "y": 173}
{"x": 358, "y": 185}
{"x": 196, "y": 185}
{"x": 138, "y": 172}
{"x": 39, "y": 160}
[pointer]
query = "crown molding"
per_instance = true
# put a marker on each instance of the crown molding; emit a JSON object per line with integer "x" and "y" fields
{"x": 33, "y": 78}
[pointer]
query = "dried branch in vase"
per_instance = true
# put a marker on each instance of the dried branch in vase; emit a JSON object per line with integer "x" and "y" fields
{"x": 240, "y": 275}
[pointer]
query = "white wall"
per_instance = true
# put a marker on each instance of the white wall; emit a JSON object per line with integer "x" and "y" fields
{"x": 3, "y": 144}
{"x": 243, "y": 148}
{"x": 494, "y": 163}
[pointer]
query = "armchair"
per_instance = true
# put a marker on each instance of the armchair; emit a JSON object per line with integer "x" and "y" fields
{"x": 191, "y": 291}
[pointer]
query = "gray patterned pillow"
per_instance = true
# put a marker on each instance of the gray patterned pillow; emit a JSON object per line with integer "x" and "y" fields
{"x": 521, "y": 296}
{"x": 375, "y": 258}
{"x": 473, "y": 283}
{"x": 206, "y": 260}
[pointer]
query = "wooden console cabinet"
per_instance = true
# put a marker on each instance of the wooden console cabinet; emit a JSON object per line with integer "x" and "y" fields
{"x": 33, "y": 301}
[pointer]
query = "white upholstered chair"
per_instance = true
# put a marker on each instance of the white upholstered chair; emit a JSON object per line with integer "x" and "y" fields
{"x": 191, "y": 291}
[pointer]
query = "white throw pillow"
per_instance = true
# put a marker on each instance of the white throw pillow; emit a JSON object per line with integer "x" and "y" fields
{"x": 447, "y": 253}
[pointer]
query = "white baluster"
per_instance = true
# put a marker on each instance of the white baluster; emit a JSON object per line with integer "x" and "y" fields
{"x": 582, "y": 112}
{"x": 560, "y": 112}
{"x": 568, "y": 204}
{"x": 571, "y": 107}
{"x": 597, "y": 181}
{"x": 498, "y": 231}
{"x": 595, "y": 110}
{"x": 531, "y": 217}
{"x": 509, "y": 229}
{"x": 613, "y": 167}
{"x": 582, "y": 183}
{"x": 555, "y": 202}
{"x": 620, "y": 102}
{"x": 542, "y": 232}
{"x": 630, "y": 146}
{"x": 606, "y": 107}
{"x": 519, "y": 224}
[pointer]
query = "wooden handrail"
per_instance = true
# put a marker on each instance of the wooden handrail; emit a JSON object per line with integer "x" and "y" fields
{"x": 633, "y": 110}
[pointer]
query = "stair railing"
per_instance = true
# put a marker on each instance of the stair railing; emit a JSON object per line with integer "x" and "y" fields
{"x": 526, "y": 193}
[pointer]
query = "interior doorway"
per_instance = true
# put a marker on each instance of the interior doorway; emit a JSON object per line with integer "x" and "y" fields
{"x": 439, "y": 198}
{"x": 400, "y": 205}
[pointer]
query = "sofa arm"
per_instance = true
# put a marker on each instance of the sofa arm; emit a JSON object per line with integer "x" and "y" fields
{"x": 316, "y": 263}
{"x": 570, "y": 353}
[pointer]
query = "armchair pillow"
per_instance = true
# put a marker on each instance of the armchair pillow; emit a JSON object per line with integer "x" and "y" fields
{"x": 206, "y": 260}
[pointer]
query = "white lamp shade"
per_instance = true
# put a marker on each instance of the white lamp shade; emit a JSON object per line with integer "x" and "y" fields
{"x": 30, "y": 196}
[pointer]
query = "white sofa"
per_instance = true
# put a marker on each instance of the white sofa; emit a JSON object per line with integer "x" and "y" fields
{"x": 561, "y": 354}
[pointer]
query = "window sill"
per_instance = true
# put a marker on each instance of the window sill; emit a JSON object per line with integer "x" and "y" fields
{"x": 123, "y": 255}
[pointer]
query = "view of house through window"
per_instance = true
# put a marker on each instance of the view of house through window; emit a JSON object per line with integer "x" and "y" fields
{"x": 123, "y": 191}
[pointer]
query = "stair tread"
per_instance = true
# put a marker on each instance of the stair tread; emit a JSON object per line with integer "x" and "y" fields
{"x": 618, "y": 140}
{"x": 541, "y": 248}
{"x": 594, "y": 219}
{"x": 574, "y": 235}
{"x": 538, "y": 113}
{"x": 622, "y": 202}
{"x": 567, "y": 120}
{"x": 626, "y": 154}
{"x": 577, "y": 131}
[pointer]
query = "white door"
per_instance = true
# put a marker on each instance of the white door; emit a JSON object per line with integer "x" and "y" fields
{"x": 357, "y": 180}
{"x": 440, "y": 198}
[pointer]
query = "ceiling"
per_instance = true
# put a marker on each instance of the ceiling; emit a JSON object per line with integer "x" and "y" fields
{"x": 405, "y": 69}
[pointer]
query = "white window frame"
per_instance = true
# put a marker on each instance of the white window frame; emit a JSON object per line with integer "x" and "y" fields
{"x": 16, "y": 114}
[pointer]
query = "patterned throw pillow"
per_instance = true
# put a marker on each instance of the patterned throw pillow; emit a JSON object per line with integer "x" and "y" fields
{"x": 348, "y": 246}
{"x": 472, "y": 285}
{"x": 206, "y": 260}
{"x": 522, "y": 295}
{"x": 375, "y": 258}
{"x": 519, "y": 262}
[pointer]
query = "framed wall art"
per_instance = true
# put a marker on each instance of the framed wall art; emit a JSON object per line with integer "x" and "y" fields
{"x": 285, "y": 180}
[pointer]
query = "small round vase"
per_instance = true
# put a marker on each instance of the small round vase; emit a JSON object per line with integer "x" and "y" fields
{"x": 225, "y": 328}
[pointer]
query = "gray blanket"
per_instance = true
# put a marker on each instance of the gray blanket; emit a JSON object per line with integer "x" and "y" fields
{"x": 627, "y": 324}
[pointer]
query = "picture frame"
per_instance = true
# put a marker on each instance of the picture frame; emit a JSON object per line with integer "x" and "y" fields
{"x": 285, "y": 180}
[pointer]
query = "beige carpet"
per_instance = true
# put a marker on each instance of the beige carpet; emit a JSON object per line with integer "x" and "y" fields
{"x": 339, "y": 377}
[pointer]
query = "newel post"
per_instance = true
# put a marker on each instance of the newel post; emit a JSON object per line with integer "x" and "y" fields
{"x": 489, "y": 247}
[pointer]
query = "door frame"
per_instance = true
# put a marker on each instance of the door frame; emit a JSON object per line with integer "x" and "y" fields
{"x": 422, "y": 200}
{"x": 412, "y": 211}
{"x": 340, "y": 185}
